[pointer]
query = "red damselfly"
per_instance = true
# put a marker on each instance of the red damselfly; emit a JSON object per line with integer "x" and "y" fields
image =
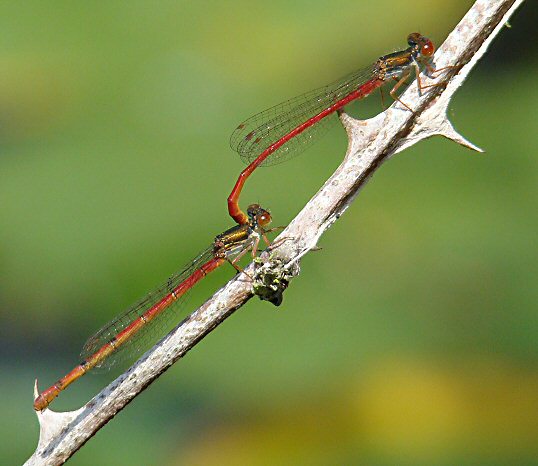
{"x": 282, "y": 131}
{"x": 129, "y": 331}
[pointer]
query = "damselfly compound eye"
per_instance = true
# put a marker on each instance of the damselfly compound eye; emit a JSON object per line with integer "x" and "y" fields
{"x": 264, "y": 219}
{"x": 427, "y": 48}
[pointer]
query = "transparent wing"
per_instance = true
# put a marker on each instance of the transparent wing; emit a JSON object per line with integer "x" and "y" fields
{"x": 262, "y": 130}
{"x": 152, "y": 330}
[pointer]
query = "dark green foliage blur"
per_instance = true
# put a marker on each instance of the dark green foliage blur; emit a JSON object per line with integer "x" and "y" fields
{"x": 410, "y": 338}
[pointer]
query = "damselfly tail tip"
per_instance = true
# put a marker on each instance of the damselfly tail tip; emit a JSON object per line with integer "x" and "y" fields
{"x": 37, "y": 398}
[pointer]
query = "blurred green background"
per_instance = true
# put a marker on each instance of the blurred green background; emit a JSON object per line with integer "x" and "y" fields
{"x": 411, "y": 338}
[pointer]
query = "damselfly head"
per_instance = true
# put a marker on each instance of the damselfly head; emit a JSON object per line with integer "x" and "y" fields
{"x": 422, "y": 46}
{"x": 258, "y": 215}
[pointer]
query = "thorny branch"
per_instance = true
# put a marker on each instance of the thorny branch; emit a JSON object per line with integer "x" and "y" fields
{"x": 371, "y": 142}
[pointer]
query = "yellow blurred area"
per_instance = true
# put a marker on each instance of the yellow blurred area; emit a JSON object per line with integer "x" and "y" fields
{"x": 405, "y": 410}
{"x": 420, "y": 411}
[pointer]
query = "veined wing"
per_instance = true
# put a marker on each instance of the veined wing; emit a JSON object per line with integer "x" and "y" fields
{"x": 155, "y": 326}
{"x": 259, "y": 132}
